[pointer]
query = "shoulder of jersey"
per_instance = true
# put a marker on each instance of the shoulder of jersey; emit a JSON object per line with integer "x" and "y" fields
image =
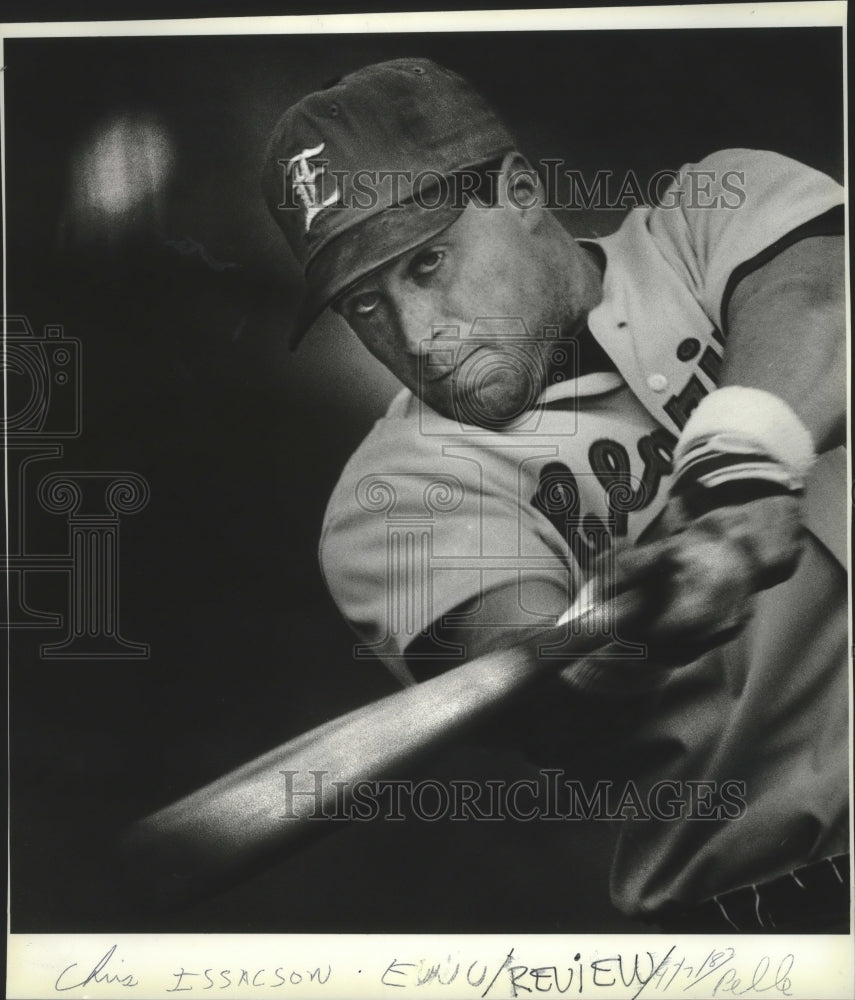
{"x": 403, "y": 440}
{"x": 753, "y": 182}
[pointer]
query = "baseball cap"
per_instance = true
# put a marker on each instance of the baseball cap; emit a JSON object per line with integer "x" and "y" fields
{"x": 353, "y": 173}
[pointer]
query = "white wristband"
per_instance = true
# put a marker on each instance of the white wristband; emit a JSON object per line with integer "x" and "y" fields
{"x": 743, "y": 433}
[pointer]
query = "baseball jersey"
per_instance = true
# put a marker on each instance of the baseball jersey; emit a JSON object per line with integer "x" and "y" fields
{"x": 431, "y": 512}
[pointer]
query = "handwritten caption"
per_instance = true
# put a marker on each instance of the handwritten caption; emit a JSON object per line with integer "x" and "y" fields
{"x": 701, "y": 972}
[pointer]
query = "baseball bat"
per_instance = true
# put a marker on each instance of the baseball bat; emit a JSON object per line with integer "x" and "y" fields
{"x": 251, "y": 816}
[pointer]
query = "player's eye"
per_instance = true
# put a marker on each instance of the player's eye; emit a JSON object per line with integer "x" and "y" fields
{"x": 364, "y": 304}
{"x": 426, "y": 262}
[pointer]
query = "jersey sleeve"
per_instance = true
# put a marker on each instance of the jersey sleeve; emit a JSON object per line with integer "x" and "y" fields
{"x": 736, "y": 208}
{"x": 420, "y": 524}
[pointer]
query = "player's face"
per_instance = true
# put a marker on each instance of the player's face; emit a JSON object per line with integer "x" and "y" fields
{"x": 472, "y": 320}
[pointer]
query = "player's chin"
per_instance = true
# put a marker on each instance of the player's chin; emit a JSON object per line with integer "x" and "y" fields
{"x": 492, "y": 403}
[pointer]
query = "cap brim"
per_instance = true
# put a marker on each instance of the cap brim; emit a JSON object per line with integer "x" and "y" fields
{"x": 363, "y": 249}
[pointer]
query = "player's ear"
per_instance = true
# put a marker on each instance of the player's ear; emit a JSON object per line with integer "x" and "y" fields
{"x": 520, "y": 186}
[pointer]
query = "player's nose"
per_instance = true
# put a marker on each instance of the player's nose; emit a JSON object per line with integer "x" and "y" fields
{"x": 421, "y": 320}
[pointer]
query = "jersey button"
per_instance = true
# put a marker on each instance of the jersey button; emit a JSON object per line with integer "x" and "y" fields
{"x": 657, "y": 383}
{"x": 688, "y": 349}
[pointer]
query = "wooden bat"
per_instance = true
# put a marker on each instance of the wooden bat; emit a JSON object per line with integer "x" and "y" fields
{"x": 249, "y": 817}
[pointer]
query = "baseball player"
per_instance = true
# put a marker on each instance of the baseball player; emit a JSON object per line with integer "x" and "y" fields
{"x": 661, "y": 411}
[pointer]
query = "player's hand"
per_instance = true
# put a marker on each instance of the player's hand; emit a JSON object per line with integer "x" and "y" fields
{"x": 697, "y": 580}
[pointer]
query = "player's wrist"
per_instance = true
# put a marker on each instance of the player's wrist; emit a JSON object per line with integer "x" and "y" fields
{"x": 741, "y": 444}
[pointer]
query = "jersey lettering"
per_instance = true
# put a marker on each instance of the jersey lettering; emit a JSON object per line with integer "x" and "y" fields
{"x": 610, "y": 464}
{"x": 679, "y": 408}
{"x": 558, "y": 497}
{"x": 710, "y": 365}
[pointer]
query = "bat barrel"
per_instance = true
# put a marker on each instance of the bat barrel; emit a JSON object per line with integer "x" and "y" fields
{"x": 253, "y": 815}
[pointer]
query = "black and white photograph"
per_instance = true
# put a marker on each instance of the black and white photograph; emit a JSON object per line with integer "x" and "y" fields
{"x": 427, "y": 504}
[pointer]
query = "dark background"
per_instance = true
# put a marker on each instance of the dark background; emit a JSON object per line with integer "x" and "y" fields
{"x": 187, "y": 381}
